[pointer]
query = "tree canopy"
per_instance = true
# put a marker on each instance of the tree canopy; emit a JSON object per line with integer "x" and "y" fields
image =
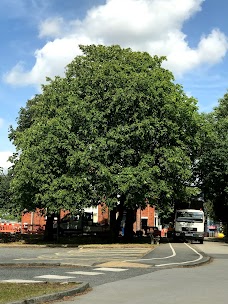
{"x": 214, "y": 161}
{"x": 116, "y": 125}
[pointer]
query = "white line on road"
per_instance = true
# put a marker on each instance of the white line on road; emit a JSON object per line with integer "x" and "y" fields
{"x": 20, "y": 281}
{"x": 52, "y": 276}
{"x": 111, "y": 269}
{"x": 167, "y": 257}
{"x": 85, "y": 273}
{"x": 186, "y": 262}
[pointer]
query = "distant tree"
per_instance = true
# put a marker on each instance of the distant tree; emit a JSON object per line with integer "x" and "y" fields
{"x": 214, "y": 161}
{"x": 5, "y": 201}
{"x": 115, "y": 125}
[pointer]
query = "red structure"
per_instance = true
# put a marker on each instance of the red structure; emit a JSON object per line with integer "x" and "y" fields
{"x": 34, "y": 222}
{"x": 102, "y": 214}
{"x": 10, "y": 227}
{"x": 145, "y": 218}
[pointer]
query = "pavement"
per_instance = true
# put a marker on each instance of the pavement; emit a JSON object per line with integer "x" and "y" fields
{"x": 107, "y": 292}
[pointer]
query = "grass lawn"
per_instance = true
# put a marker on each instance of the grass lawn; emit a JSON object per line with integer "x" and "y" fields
{"x": 20, "y": 291}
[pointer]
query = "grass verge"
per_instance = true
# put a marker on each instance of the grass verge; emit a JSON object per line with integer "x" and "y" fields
{"x": 73, "y": 241}
{"x": 21, "y": 291}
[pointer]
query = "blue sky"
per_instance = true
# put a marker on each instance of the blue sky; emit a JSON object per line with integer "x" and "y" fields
{"x": 40, "y": 37}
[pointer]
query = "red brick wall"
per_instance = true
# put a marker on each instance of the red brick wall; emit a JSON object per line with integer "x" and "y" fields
{"x": 33, "y": 221}
{"x": 147, "y": 213}
{"x": 103, "y": 214}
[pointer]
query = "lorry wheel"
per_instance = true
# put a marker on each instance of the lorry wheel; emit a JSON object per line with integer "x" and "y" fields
{"x": 201, "y": 241}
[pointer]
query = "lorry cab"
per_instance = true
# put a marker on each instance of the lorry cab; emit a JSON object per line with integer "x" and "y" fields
{"x": 189, "y": 225}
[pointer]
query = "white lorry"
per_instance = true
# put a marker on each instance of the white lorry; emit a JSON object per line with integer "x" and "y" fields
{"x": 189, "y": 225}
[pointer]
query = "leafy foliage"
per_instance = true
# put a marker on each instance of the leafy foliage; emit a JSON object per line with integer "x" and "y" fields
{"x": 214, "y": 162}
{"x": 116, "y": 124}
{"x": 5, "y": 196}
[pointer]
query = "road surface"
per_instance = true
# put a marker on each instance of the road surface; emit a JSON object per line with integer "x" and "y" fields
{"x": 94, "y": 265}
{"x": 205, "y": 284}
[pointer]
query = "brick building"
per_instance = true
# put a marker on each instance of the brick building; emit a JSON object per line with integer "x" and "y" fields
{"x": 147, "y": 217}
{"x": 34, "y": 222}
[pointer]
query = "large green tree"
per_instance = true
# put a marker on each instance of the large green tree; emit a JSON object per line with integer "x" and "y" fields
{"x": 5, "y": 196}
{"x": 115, "y": 125}
{"x": 214, "y": 159}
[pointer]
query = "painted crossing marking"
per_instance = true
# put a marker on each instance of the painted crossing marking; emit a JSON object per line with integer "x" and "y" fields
{"x": 85, "y": 273}
{"x": 88, "y": 256}
{"x": 20, "y": 281}
{"x": 72, "y": 275}
{"x": 111, "y": 269}
{"x": 53, "y": 276}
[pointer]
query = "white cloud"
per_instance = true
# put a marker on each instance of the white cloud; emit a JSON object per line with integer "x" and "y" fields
{"x": 51, "y": 27}
{"x": 4, "y": 155}
{"x": 138, "y": 20}
{"x": 50, "y": 61}
{"x": 181, "y": 58}
{"x": 213, "y": 47}
{"x": 154, "y": 26}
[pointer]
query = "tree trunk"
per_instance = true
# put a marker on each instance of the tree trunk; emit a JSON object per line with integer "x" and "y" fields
{"x": 49, "y": 231}
{"x": 116, "y": 216}
{"x": 112, "y": 224}
{"x": 130, "y": 219}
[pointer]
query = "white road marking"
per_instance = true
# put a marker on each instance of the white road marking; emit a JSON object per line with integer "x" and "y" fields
{"x": 20, "y": 281}
{"x": 186, "y": 262}
{"x": 111, "y": 269}
{"x": 85, "y": 273}
{"x": 53, "y": 276}
{"x": 84, "y": 254}
{"x": 167, "y": 257}
{"x": 172, "y": 255}
{"x": 25, "y": 259}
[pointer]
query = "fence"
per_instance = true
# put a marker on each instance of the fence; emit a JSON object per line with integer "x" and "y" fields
{"x": 10, "y": 228}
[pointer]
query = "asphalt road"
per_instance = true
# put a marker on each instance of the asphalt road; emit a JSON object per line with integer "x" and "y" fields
{"x": 82, "y": 256}
{"x": 206, "y": 284}
{"x": 97, "y": 266}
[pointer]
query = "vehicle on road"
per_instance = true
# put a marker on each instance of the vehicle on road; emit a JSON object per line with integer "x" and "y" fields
{"x": 189, "y": 225}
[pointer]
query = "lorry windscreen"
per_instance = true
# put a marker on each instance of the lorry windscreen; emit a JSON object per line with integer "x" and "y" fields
{"x": 189, "y": 217}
